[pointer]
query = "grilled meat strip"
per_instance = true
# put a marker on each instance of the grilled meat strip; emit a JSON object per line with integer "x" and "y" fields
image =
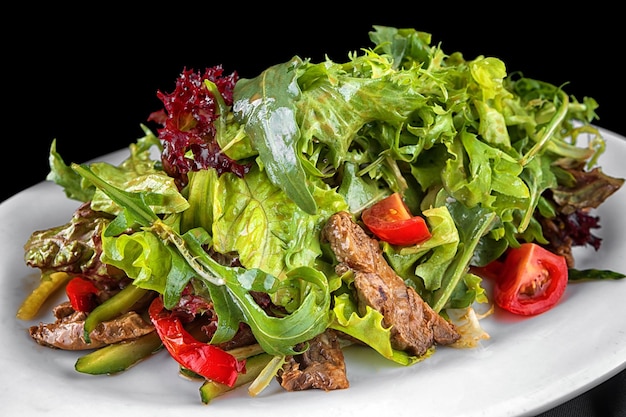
{"x": 321, "y": 366}
{"x": 415, "y": 326}
{"x": 67, "y": 331}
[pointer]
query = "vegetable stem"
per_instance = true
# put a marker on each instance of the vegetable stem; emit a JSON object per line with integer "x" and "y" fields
{"x": 547, "y": 133}
{"x": 254, "y": 366}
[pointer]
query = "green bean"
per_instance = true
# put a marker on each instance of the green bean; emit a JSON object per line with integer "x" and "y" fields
{"x": 119, "y": 304}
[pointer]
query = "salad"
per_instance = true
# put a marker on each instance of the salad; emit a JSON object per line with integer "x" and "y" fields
{"x": 260, "y": 226}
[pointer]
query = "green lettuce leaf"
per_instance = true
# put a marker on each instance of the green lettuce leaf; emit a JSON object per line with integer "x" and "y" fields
{"x": 369, "y": 330}
{"x": 267, "y": 230}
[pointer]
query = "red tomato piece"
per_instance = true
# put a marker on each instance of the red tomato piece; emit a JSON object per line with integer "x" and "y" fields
{"x": 492, "y": 271}
{"x": 391, "y": 221}
{"x": 533, "y": 280}
{"x": 82, "y": 294}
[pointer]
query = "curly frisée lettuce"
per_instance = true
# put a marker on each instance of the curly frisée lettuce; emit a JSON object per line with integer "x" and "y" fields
{"x": 250, "y": 171}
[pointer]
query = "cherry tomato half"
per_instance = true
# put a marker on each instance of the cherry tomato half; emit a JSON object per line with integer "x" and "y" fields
{"x": 391, "y": 221}
{"x": 532, "y": 281}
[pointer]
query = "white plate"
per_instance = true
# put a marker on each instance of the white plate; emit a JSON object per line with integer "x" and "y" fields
{"x": 526, "y": 367}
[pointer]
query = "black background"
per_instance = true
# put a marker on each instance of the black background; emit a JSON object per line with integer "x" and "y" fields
{"x": 89, "y": 77}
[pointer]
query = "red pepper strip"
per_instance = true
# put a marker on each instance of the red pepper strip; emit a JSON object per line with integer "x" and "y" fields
{"x": 204, "y": 359}
{"x": 82, "y": 294}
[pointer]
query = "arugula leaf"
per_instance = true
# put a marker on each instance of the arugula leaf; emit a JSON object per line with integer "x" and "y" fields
{"x": 279, "y": 335}
{"x": 472, "y": 225}
{"x": 593, "y": 274}
{"x": 266, "y": 106}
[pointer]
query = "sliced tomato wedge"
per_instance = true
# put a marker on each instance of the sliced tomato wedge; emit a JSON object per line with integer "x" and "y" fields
{"x": 391, "y": 221}
{"x": 532, "y": 280}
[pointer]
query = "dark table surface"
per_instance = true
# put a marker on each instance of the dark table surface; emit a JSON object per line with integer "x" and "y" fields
{"x": 89, "y": 80}
{"x": 607, "y": 400}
